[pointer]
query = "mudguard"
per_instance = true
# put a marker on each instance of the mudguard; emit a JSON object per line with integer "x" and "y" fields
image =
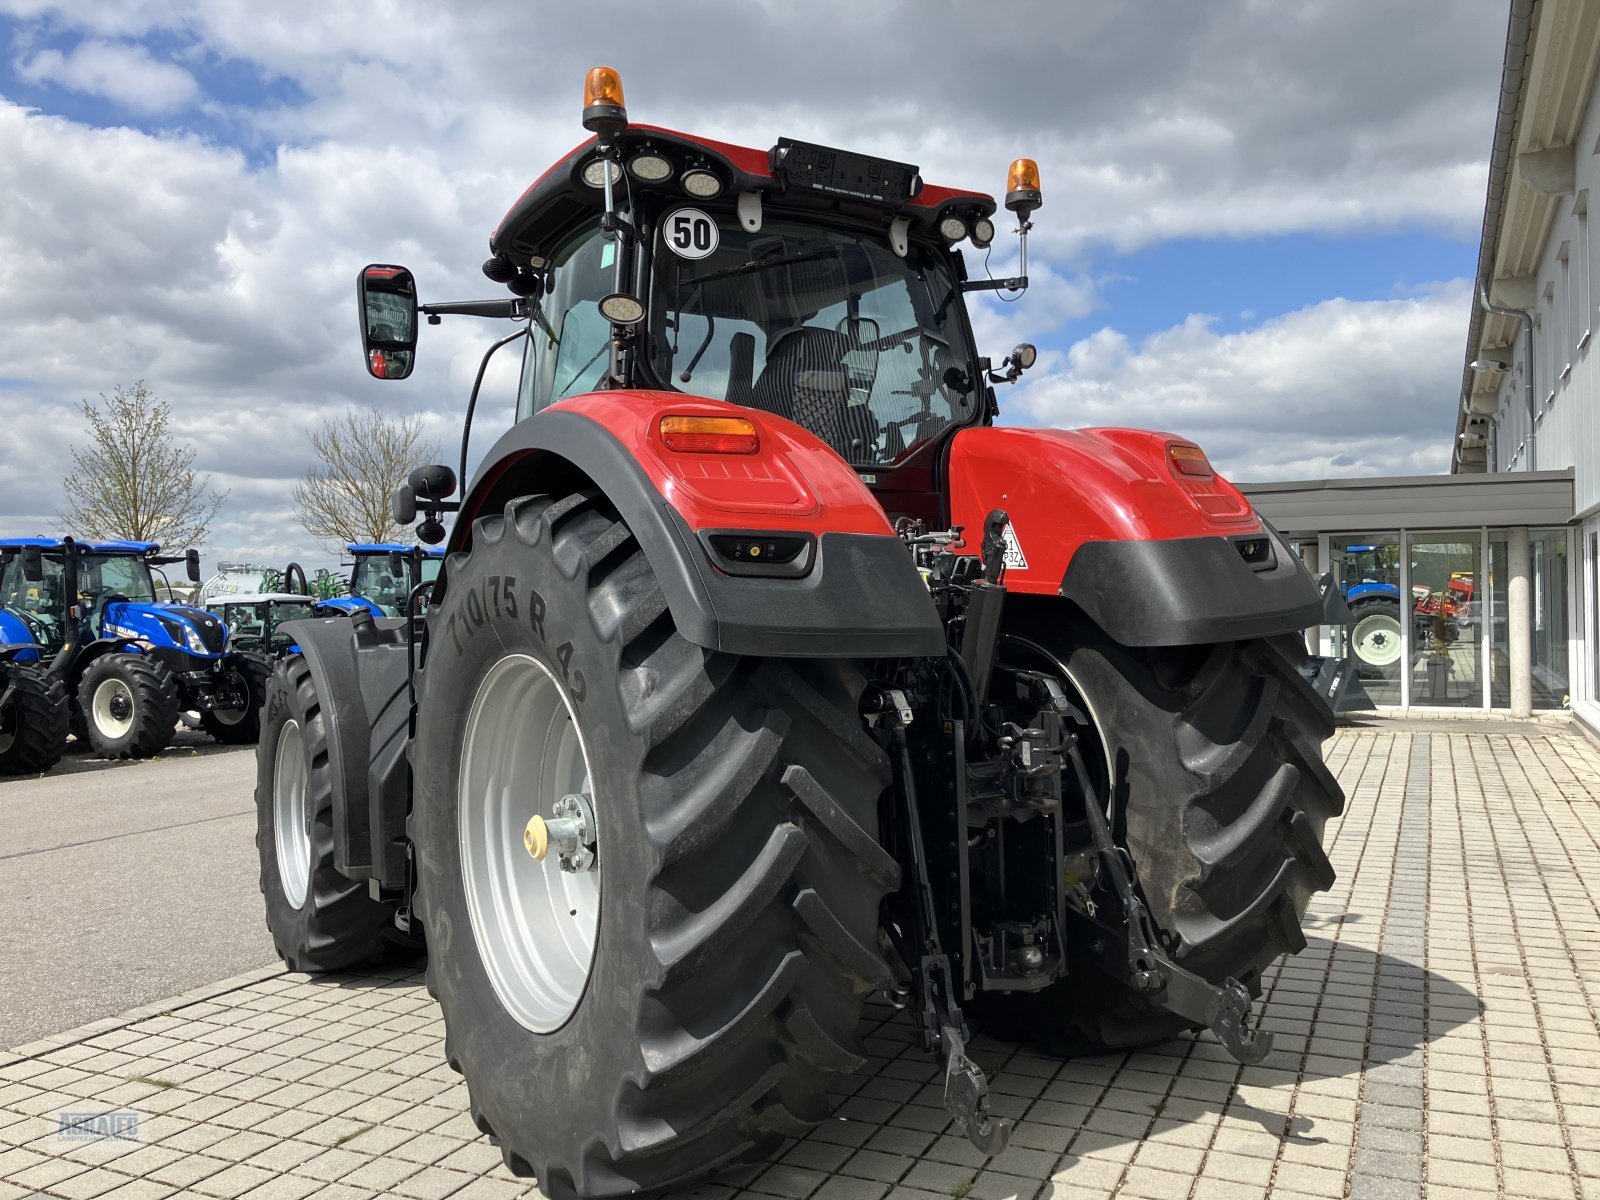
{"x": 352, "y": 604}
{"x": 853, "y": 592}
{"x": 1369, "y": 591}
{"x": 16, "y": 641}
{"x": 360, "y": 667}
{"x": 1152, "y": 556}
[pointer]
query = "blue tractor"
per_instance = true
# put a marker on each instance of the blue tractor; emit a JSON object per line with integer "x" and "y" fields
{"x": 384, "y": 576}
{"x": 128, "y": 665}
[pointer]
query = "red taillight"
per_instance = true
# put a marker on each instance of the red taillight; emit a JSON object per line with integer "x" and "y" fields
{"x": 1190, "y": 460}
{"x": 709, "y": 435}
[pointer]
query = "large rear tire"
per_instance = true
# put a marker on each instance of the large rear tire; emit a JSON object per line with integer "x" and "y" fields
{"x": 241, "y": 726}
{"x": 1220, "y": 795}
{"x": 129, "y": 704}
{"x": 703, "y": 988}
{"x": 33, "y": 720}
{"x": 319, "y": 919}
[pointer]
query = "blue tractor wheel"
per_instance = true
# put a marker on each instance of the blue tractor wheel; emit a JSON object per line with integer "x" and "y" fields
{"x": 130, "y": 705}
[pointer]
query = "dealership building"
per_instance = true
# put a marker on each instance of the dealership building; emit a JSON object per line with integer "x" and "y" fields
{"x": 1500, "y": 559}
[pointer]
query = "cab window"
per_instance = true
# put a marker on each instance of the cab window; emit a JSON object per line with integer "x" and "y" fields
{"x": 571, "y": 356}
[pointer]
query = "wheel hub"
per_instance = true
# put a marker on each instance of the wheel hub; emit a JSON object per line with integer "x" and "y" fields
{"x": 570, "y": 832}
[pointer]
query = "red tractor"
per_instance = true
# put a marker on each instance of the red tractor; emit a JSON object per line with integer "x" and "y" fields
{"x": 766, "y": 673}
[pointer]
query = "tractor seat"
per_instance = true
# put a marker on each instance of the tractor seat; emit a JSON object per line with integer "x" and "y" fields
{"x": 804, "y": 381}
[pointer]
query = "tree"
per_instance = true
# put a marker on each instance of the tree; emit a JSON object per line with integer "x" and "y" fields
{"x": 363, "y": 457}
{"x": 135, "y": 479}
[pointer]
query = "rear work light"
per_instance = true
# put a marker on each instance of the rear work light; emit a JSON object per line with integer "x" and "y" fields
{"x": 709, "y": 435}
{"x": 1189, "y": 460}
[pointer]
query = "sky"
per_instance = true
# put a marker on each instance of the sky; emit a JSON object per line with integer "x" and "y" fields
{"x": 1260, "y": 217}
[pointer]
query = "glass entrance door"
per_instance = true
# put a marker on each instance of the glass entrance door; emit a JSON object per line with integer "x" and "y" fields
{"x": 1445, "y": 617}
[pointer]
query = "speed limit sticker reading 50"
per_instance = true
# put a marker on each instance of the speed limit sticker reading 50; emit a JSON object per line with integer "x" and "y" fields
{"x": 691, "y": 234}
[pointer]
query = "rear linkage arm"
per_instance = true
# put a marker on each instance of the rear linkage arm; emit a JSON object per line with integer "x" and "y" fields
{"x": 939, "y": 1018}
{"x": 1224, "y": 1010}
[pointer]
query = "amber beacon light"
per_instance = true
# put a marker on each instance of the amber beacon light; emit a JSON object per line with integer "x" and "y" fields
{"x": 1023, "y": 194}
{"x": 604, "y": 111}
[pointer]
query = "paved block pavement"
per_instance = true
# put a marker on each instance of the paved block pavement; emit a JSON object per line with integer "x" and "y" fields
{"x": 1438, "y": 1036}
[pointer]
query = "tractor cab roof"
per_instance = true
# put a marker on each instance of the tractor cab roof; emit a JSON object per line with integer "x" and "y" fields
{"x": 392, "y": 548}
{"x": 109, "y": 547}
{"x": 792, "y": 174}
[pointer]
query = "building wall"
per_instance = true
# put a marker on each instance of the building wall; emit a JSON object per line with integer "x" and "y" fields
{"x": 1566, "y": 366}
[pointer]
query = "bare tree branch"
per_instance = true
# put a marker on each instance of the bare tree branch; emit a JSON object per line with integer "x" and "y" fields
{"x": 134, "y": 479}
{"x": 364, "y": 456}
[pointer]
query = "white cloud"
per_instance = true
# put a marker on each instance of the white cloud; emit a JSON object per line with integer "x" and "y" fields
{"x": 1337, "y": 388}
{"x": 118, "y": 71}
{"x": 224, "y": 277}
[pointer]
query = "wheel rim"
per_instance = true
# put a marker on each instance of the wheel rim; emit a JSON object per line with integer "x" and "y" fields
{"x": 8, "y": 725}
{"x": 113, "y": 708}
{"x": 232, "y": 716}
{"x": 1377, "y": 639}
{"x": 535, "y": 924}
{"x": 291, "y": 818}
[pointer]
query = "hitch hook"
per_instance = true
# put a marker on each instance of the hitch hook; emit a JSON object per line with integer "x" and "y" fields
{"x": 966, "y": 1095}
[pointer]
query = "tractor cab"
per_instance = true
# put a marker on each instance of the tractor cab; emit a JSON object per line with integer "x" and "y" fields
{"x": 384, "y": 574}
{"x": 256, "y": 620}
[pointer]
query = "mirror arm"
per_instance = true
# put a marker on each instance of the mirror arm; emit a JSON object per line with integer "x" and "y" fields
{"x": 1016, "y": 283}
{"x": 512, "y": 308}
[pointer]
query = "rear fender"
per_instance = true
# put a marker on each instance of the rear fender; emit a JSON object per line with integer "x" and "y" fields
{"x": 1100, "y": 517}
{"x": 360, "y": 668}
{"x": 854, "y": 592}
{"x": 14, "y": 632}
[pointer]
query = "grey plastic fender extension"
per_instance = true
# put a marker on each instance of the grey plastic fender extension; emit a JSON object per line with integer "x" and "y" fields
{"x": 863, "y": 597}
{"x": 359, "y": 666}
{"x": 1190, "y": 591}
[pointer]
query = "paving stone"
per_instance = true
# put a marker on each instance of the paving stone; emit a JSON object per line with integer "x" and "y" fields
{"x": 1443, "y": 1000}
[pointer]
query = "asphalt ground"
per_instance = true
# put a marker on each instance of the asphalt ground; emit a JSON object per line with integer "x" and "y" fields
{"x": 121, "y": 883}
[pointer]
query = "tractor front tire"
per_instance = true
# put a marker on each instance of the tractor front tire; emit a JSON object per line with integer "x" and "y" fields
{"x": 241, "y": 726}
{"x": 129, "y": 704}
{"x": 688, "y": 1001}
{"x": 1375, "y": 638}
{"x": 319, "y": 919}
{"x": 1219, "y": 794}
{"x": 33, "y": 720}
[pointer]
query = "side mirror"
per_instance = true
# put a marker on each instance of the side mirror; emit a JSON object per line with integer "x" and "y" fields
{"x": 191, "y": 562}
{"x": 403, "y": 505}
{"x": 397, "y": 564}
{"x": 432, "y": 482}
{"x": 32, "y": 564}
{"x": 387, "y": 299}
